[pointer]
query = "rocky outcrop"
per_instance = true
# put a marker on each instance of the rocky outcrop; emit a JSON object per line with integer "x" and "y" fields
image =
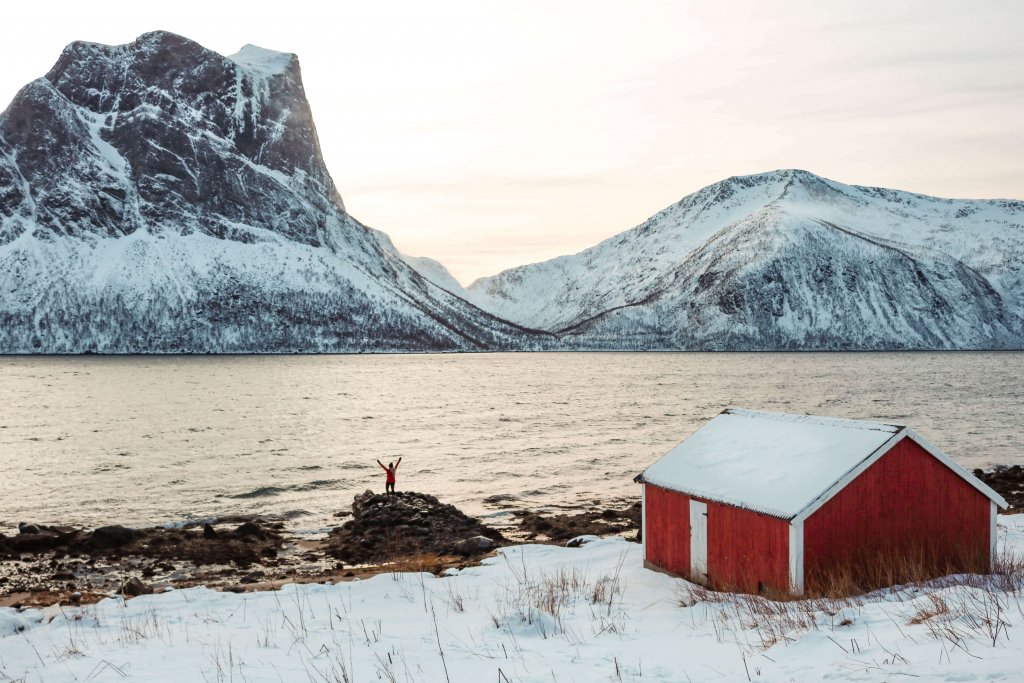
{"x": 1007, "y": 481}
{"x": 388, "y": 527}
{"x": 243, "y": 546}
{"x": 561, "y": 528}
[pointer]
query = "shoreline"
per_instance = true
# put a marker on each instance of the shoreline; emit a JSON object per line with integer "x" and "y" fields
{"x": 44, "y": 565}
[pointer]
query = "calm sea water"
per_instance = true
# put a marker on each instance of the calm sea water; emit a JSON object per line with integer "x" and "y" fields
{"x": 152, "y": 440}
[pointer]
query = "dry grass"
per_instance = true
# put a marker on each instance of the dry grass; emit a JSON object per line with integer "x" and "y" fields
{"x": 907, "y": 565}
{"x": 543, "y": 600}
{"x": 431, "y": 563}
{"x": 936, "y": 607}
{"x": 955, "y": 608}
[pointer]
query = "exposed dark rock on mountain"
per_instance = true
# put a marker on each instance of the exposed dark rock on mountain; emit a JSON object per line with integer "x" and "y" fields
{"x": 160, "y": 197}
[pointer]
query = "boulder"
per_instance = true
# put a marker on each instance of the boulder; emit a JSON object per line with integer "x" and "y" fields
{"x": 248, "y": 529}
{"x": 113, "y": 536}
{"x": 359, "y": 502}
{"x": 134, "y": 587}
{"x": 580, "y": 541}
{"x": 475, "y": 544}
{"x": 34, "y": 543}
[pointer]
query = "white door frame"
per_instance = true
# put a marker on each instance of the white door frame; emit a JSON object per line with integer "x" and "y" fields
{"x": 796, "y": 558}
{"x": 698, "y": 541}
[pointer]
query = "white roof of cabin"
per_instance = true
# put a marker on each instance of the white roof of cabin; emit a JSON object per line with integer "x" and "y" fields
{"x": 774, "y": 463}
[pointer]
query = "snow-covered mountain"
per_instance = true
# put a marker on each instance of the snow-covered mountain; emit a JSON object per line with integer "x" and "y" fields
{"x": 784, "y": 260}
{"x": 160, "y": 197}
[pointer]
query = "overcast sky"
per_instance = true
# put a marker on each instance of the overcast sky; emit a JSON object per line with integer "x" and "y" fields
{"x": 492, "y": 134}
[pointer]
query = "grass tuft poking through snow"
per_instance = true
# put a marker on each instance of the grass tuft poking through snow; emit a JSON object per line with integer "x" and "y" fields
{"x": 534, "y": 613}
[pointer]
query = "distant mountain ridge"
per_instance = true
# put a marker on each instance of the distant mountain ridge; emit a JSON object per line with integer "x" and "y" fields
{"x": 160, "y": 197}
{"x": 784, "y": 260}
{"x": 157, "y": 197}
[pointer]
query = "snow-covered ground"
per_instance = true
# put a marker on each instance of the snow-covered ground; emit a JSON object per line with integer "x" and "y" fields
{"x": 533, "y": 613}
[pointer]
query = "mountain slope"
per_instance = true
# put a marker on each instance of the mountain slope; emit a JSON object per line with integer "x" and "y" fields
{"x": 785, "y": 260}
{"x": 159, "y": 197}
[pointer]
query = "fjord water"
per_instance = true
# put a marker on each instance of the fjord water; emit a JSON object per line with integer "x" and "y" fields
{"x": 154, "y": 440}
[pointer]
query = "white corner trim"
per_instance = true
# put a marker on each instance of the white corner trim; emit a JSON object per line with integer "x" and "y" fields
{"x": 643, "y": 520}
{"x": 957, "y": 469}
{"x": 829, "y": 493}
{"x": 796, "y": 558}
{"x": 993, "y": 536}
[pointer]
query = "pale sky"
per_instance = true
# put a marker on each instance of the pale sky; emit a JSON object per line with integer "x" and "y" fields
{"x": 491, "y": 134}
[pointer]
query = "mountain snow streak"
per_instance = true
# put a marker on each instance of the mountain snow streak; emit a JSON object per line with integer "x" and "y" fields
{"x": 158, "y": 197}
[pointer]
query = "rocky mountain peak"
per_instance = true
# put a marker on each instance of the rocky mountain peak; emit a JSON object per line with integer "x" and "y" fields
{"x": 163, "y": 134}
{"x": 161, "y": 197}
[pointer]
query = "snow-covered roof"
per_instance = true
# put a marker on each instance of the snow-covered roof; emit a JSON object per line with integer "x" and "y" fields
{"x": 776, "y": 463}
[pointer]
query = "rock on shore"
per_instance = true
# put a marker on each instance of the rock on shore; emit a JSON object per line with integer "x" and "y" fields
{"x": 385, "y": 527}
{"x": 242, "y": 546}
{"x": 1007, "y": 481}
{"x": 556, "y": 528}
{"x": 45, "y": 564}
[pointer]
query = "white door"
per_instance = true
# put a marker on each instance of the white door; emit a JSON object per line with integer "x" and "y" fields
{"x": 698, "y": 541}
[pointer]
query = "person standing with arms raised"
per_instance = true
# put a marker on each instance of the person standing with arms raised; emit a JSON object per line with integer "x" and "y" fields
{"x": 389, "y": 485}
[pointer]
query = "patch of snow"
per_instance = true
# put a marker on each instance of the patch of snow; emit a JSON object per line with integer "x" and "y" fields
{"x": 261, "y": 60}
{"x": 11, "y": 624}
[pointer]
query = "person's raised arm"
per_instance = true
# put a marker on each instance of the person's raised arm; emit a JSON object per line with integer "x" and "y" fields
{"x": 381, "y": 464}
{"x": 398, "y": 463}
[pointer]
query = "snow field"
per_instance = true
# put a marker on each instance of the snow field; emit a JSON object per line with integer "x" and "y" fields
{"x": 532, "y": 613}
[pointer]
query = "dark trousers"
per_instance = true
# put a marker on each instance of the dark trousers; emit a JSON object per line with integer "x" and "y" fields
{"x": 389, "y": 487}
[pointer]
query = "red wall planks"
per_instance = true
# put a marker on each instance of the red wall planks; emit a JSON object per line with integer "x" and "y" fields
{"x": 744, "y": 548}
{"x": 667, "y": 529}
{"x": 905, "y": 504}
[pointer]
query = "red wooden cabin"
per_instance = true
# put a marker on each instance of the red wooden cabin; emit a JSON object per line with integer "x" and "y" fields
{"x": 755, "y": 501}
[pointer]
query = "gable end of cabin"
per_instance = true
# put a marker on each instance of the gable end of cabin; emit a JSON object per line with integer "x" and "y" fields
{"x": 907, "y": 507}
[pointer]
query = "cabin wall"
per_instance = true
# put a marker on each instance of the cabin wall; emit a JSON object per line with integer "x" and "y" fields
{"x": 745, "y": 550}
{"x": 906, "y": 506}
{"x": 667, "y": 529}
